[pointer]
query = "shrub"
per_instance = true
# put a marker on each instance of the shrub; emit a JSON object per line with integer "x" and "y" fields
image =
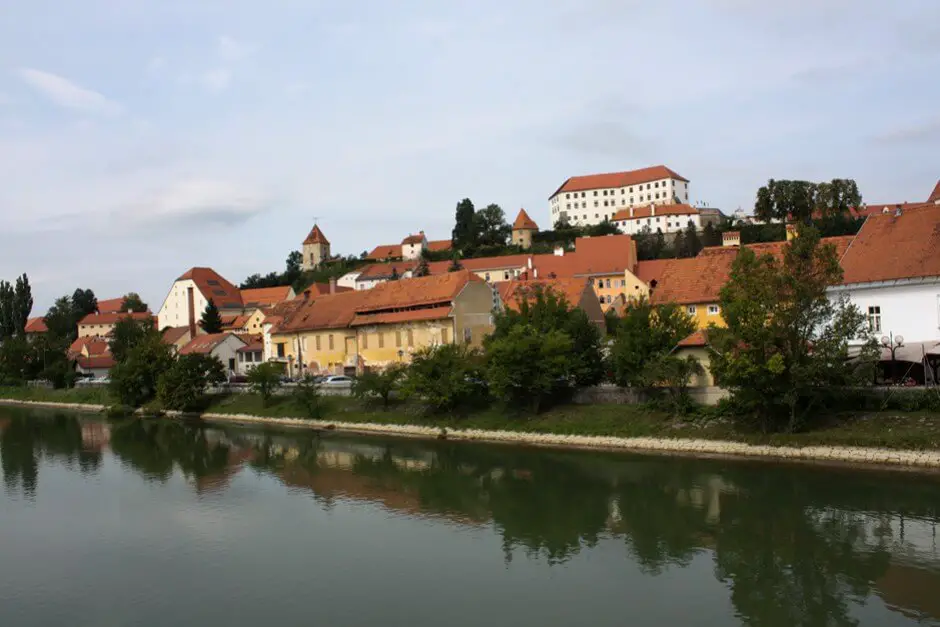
{"x": 183, "y": 386}
{"x": 528, "y": 367}
{"x": 379, "y": 384}
{"x": 134, "y": 380}
{"x": 308, "y": 396}
{"x": 446, "y": 377}
{"x": 265, "y": 379}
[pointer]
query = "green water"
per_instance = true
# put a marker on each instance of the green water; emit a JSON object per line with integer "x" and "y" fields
{"x": 158, "y": 523}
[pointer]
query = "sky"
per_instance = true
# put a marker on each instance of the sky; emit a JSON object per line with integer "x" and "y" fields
{"x": 139, "y": 138}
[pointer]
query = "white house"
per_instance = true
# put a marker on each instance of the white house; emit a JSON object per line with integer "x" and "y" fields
{"x": 892, "y": 274}
{"x": 413, "y": 245}
{"x": 591, "y": 199}
{"x": 222, "y": 346}
{"x": 665, "y": 218}
{"x": 348, "y": 280}
{"x": 250, "y": 356}
{"x": 190, "y": 294}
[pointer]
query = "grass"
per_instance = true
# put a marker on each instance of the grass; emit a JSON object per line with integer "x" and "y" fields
{"x": 882, "y": 429}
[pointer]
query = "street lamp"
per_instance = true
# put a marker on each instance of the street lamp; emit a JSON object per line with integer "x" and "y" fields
{"x": 893, "y": 343}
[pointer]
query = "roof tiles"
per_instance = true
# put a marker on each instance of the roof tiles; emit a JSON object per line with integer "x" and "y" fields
{"x": 890, "y": 247}
{"x": 523, "y": 221}
{"x": 618, "y": 179}
{"x": 214, "y": 286}
{"x": 316, "y": 236}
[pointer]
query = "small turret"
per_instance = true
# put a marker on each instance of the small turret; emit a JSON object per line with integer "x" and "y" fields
{"x": 316, "y": 249}
{"x": 523, "y": 229}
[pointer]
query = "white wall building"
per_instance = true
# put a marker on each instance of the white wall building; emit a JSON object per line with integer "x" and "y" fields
{"x": 591, "y": 199}
{"x": 348, "y": 280}
{"x": 190, "y": 294}
{"x": 222, "y": 346}
{"x": 412, "y": 246}
{"x": 665, "y": 218}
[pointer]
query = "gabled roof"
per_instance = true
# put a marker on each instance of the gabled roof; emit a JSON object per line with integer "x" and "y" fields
{"x": 696, "y": 340}
{"x": 316, "y": 236}
{"x": 413, "y": 239}
{"x": 890, "y": 247}
{"x": 385, "y": 251}
{"x": 256, "y": 346}
{"x": 618, "y": 179}
{"x": 935, "y": 194}
{"x": 214, "y": 286}
{"x": 592, "y": 256}
{"x": 384, "y": 270}
{"x": 523, "y": 221}
{"x": 439, "y": 245}
{"x": 173, "y": 335}
{"x": 320, "y": 289}
{"x": 36, "y": 325}
{"x": 266, "y": 296}
{"x": 110, "y": 305}
{"x": 205, "y": 344}
{"x": 660, "y": 210}
{"x": 112, "y": 318}
{"x": 421, "y": 291}
{"x": 100, "y": 362}
{"x": 512, "y": 292}
{"x": 407, "y": 315}
{"x": 94, "y": 345}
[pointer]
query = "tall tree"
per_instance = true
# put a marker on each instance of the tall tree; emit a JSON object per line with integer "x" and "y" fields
{"x": 646, "y": 335}
{"x": 211, "y": 318}
{"x": 692, "y": 241}
{"x": 22, "y": 304}
{"x": 422, "y": 269}
{"x": 6, "y": 310}
{"x": 293, "y": 267}
{"x": 128, "y": 333}
{"x": 710, "y": 235}
{"x": 801, "y": 201}
{"x": 786, "y": 342}
{"x": 659, "y": 244}
{"x": 133, "y": 302}
{"x": 679, "y": 246}
{"x": 84, "y": 302}
{"x": 463, "y": 233}
{"x": 489, "y": 226}
{"x": 61, "y": 320}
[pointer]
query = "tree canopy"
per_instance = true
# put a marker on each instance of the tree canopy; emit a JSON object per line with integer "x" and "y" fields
{"x": 211, "y": 318}
{"x": 462, "y": 236}
{"x": 800, "y": 201}
{"x": 133, "y": 302}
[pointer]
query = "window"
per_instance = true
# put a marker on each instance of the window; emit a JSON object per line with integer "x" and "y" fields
{"x": 713, "y": 310}
{"x": 330, "y": 342}
{"x": 656, "y": 184}
{"x": 691, "y": 309}
{"x": 213, "y": 282}
{"x": 601, "y": 299}
{"x": 874, "y": 319}
{"x": 506, "y": 276}
{"x": 595, "y": 192}
{"x": 623, "y": 201}
{"x": 318, "y": 342}
{"x": 631, "y": 200}
{"x": 608, "y": 286}
{"x": 622, "y": 191}
{"x": 487, "y": 277}
{"x": 648, "y": 197}
{"x": 647, "y": 186}
{"x": 365, "y": 341}
{"x": 467, "y": 336}
{"x": 411, "y": 338}
{"x": 567, "y": 195}
{"x": 605, "y": 203}
{"x": 381, "y": 339}
{"x": 605, "y": 192}
{"x": 582, "y": 194}
{"x": 623, "y": 282}
{"x": 568, "y": 206}
{"x": 583, "y": 205}
{"x": 398, "y": 339}
{"x": 444, "y": 335}
{"x": 657, "y": 195}
{"x": 280, "y": 349}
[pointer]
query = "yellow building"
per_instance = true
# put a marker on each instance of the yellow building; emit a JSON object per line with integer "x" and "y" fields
{"x": 101, "y": 324}
{"x": 351, "y": 331}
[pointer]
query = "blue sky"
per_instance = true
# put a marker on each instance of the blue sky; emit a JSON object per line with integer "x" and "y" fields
{"x": 139, "y": 138}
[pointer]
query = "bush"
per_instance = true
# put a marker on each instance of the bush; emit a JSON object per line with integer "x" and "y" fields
{"x": 265, "y": 379}
{"x": 308, "y": 396}
{"x": 134, "y": 381}
{"x": 527, "y": 367}
{"x": 379, "y": 385}
{"x": 446, "y": 377}
{"x": 183, "y": 386}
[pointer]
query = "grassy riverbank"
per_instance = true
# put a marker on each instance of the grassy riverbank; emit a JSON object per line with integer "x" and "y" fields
{"x": 887, "y": 429}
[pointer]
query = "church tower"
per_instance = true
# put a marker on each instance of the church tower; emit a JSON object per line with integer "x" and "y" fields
{"x": 523, "y": 229}
{"x": 316, "y": 249}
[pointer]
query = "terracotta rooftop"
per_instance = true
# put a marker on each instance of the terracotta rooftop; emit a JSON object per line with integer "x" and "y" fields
{"x": 205, "y": 344}
{"x": 592, "y": 256}
{"x": 512, "y": 292}
{"x": 695, "y": 340}
{"x": 36, "y": 325}
{"x": 647, "y": 212}
{"x": 523, "y": 221}
{"x": 413, "y": 239}
{"x": 316, "y": 236}
{"x": 385, "y": 251}
{"x": 320, "y": 289}
{"x": 384, "y": 270}
{"x": 98, "y": 362}
{"x": 172, "y": 335}
{"x": 112, "y": 318}
{"x": 93, "y": 345}
{"x": 618, "y": 179}
{"x": 110, "y": 305}
{"x": 256, "y": 346}
{"x": 213, "y": 285}
{"x": 438, "y": 245}
{"x": 890, "y": 247}
{"x": 410, "y": 315}
{"x": 265, "y": 296}
{"x": 935, "y": 194}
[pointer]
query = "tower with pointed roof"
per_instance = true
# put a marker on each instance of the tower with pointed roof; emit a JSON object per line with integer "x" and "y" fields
{"x": 523, "y": 229}
{"x": 316, "y": 249}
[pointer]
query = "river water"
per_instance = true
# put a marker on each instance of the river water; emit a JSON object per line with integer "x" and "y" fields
{"x": 159, "y": 523}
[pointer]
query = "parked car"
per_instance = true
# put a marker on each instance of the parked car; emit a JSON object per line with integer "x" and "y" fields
{"x": 337, "y": 380}
{"x": 238, "y": 378}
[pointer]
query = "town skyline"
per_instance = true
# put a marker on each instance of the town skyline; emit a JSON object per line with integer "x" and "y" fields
{"x": 215, "y": 144}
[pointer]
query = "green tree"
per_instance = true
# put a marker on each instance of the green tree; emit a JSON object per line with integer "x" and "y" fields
{"x": 22, "y": 304}
{"x": 659, "y": 244}
{"x": 692, "y": 242}
{"x": 61, "y": 320}
{"x": 183, "y": 385}
{"x": 786, "y": 343}
{"x": 646, "y": 335}
{"x": 446, "y": 377}
{"x": 489, "y": 226}
{"x": 455, "y": 265}
{"x": 602, "y": 228}
{"x": 211, "y": 318}
{"x": 134, "y": 380}
{"x": 710, "y": 235}
{"x": 463, "y": 235}
{"x": 528, "y": 367}
{"x": 293, "y": 268}
{"x": 800, "y": 200}
{"x": 379, "y": 384}
{"x": 394, "y": 276}
{"x": 309, "y": 397}
{"x": 6, "y": 310}
{"x": 128, "y": 333}
{"x": 133, "y": 302}
{"x": 422, "y": 269}
{"x": 17, "y": 361}
{"x": 265, "y": 379}
{"x": 84, "y": 302}
{"x": 679, "y": 247}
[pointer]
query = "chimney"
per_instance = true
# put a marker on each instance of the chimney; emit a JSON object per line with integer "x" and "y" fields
{"x": 190, "y": 297}
{"x": 530, "y": 263}
{"x": 332, "y": 285}
{"x": 535, "y": 273}
{"x": 559, "y": 251}
{"x": 731, "y": 238}
{"x": 652, "y": 209}
{"x": 631, "y": 211}
{"x": 306, "y": 294}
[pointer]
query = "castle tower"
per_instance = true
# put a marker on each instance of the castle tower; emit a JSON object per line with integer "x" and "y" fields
{"x": 523, "y": 229}
{"x": 316, "y": 249}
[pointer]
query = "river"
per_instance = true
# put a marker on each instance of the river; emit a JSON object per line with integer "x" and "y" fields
{"x": 150, "y": 523}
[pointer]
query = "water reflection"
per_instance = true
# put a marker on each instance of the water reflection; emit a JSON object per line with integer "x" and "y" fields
{"x": 793, "y": 545}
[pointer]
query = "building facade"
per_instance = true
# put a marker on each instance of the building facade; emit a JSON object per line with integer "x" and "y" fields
{"x": 523, "y": 229}
{"x": 594, "y": 198}
{"x": 669, "y": 219}
{"x": 316, "y": 249}
{"x": 190, "y": 294}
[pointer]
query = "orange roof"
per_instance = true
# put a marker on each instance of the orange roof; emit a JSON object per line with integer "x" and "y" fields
{"x": 205, "y": 344}
{"x": 234, "y": 322}
{"x": 385, "y": 251}
{"x": 97, "y": 362}
{"x": 112, "y": 318}
{"x": 699, "y": 280}
{"x": 618, "y": 179}
{"x": 316, "y": 236}
{"x": 409, "y": 315}
{"x": 695, "y": 340}
{"x": 523, "y": 221}
{"x": 36, "y": 325}
{"x": 413, "y": 239}
{"x": 320, "y": 289}
{"x": 256, "y": 346}
{"x": 592, "y": 256}
{"x": 384, "y": 270}
{"x": 94, "y": 345}
{"x": 110, "y": 305}
{"x": 647, "y": 212}
{"x": 890, "y": 247}
{"x": 439, "y": 245}
{"x": 172, "y": 335}
{"x": 212, "y": 285}
{"x": 935, "y": 195}
{"x": 265, "y": 296}
{"x": 512, "y": 292}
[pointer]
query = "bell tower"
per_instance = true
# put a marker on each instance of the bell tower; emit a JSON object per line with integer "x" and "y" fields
{"x": 316, "y": 249}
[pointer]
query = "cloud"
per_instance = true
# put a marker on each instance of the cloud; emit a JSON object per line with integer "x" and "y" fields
{"x": 217, "y": 79}
{"x": 65, "y": 93}
{"x": 230, "y": 49}
{"x": 926, "y": 131}
{"x": 195, "y": 202}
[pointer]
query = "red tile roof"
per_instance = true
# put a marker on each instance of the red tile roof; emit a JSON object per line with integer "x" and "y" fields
{"x": 695, "y": 340}
{"x": 94, "y": 345}
{"x": 205, "y": 344}
{"x": 935, "y": 195}
{"x": 213, "y": 285}
{"x": 316, "y": 236}
{"x": 410, "y": 315}
{"x": 661, "y": 210}
{"x": 36, "y": 325}
{"x": 111, "y": 305}
{"x": 320, "y": 289}
{"x": 112, "y": 318}
{"x": 592, "y": 256}
{"x": 173, "y": 335}
{"x": 512, "y": 292}
{"x": 385, "y": 251}
{"x": 234, "y": 322}
{"x": 384, "y": 270}
{"x": 879, "y": 208}
{"x": 413, "y": 239}
{"x": 618, "y": 179}
{"x": 438, "y": 245}
{"x": 99, "y": 363}
{"x": 523, "y": 221}
{"x": 256, "y": 346}
{"x": 890, "y": 247}
{"x": 265, "y": 296}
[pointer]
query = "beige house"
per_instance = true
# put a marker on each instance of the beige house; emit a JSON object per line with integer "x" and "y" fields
{"x": 523, "y": 229}
{"x": 101, "y": 324}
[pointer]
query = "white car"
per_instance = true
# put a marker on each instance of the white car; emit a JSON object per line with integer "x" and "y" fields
{"x": 337, "y": 380}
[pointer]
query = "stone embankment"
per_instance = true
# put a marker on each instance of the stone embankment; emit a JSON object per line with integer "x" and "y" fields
{"x": 694, "y": 447}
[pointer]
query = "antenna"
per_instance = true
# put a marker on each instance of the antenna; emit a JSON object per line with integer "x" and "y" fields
{"x": 316, "y": 219}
